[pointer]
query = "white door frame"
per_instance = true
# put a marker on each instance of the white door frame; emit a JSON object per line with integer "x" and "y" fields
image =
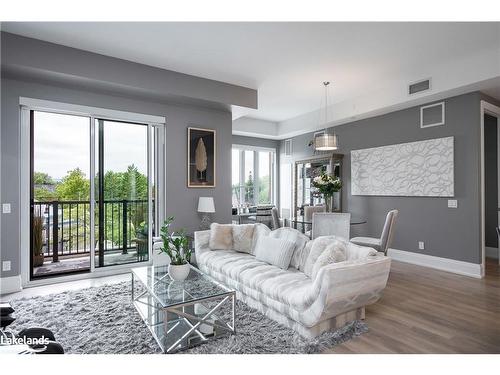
{"x": 27, "y": 104}
{"x": 486, "y": 108}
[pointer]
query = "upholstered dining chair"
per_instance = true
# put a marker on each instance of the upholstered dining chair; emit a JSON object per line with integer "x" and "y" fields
{"x": 380, "y": 244}
{"x": 264, "y": 215}
{"x": 331, "y": 224}
{"x": 309, "y": 210}
{"x": 276, "y": 218}
{"x": 308, "y": 214}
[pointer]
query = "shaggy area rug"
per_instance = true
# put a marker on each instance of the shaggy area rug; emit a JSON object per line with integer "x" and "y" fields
{"x": 103, "y": 320}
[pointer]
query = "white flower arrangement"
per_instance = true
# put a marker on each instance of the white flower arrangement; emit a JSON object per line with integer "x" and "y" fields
{"x": 327, "y": 184}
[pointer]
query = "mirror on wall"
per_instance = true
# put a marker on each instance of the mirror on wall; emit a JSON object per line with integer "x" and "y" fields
{"x": 305, "y": 171}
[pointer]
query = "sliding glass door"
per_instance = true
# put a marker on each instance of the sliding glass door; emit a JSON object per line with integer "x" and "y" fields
{"x": 122, "y": 207}
{"x": 60, "y": 239}
{"x": 92, "y": 192}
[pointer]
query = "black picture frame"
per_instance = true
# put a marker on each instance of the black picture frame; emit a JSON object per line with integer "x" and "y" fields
{"x": 201, "y": 152}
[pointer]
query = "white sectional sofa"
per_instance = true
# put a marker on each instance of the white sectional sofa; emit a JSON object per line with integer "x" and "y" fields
{"x": 336, "y": 295}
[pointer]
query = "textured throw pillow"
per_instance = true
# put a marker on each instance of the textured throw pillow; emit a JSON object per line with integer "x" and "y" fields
{"x": 243, "y": 237}
{"x": 318, "y": 246}
{"x": 295, "y": 236}
{"x": 221, "y": 237}
{"x": 275, "y": 251}
{"x": 334, "y": 253}
{"x": 258, "y": 231}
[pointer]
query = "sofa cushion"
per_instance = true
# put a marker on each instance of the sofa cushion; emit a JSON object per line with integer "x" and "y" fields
{"x": 243, "y": 237}
{"x": 259, "y": 230}
{"x": 221, "y": 236}
{"x": 295, "y": 236}
{"x": 333, "y": 253}
{"x": 275, "y": 251}
{"x": 248, "y": 273}
{"x": 317, "y": 247}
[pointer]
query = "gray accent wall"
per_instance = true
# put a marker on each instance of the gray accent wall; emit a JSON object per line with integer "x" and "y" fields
{"x": 446, "y": 232}
{"x": 180, "y": 201}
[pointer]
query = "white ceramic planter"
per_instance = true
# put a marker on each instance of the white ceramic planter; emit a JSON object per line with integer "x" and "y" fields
{"x": 178, "y": 273}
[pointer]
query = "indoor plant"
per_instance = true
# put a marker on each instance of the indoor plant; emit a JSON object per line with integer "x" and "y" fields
{"x": 327, "y": 185}
{"x": 176, "y": 246}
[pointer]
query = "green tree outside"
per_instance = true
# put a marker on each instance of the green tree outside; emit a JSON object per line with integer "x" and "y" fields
{"x": 40, "y": 178}
{"x": 74, "y": 186}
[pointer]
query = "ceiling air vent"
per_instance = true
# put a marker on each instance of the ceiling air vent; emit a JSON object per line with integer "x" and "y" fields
{"x": 419, "y": 86}
{"x": 288, "y": 147}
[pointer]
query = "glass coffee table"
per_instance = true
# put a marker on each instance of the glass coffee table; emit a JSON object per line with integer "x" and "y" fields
{"x": 183, "y": 314}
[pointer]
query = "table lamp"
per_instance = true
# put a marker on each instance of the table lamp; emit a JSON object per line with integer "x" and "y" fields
{"x": 206, "y": 207}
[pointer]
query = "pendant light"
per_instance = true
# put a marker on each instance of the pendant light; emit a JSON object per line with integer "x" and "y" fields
{"x": 325, "y": 141}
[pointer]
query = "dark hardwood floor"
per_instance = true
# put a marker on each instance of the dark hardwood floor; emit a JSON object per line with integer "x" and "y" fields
{"x": 429, "y": 311}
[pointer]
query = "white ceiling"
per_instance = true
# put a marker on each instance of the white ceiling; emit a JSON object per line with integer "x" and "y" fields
{"x": 286, "y": 62}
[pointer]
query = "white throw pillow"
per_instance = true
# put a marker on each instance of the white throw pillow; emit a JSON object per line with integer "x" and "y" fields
{"x": 298, "y": 238}
{"x": 243, "y": 237}
{"x": 334, "y": 253}
{"x": 259, "y": 230}
{"x": 318, "y": 246}
{"x": 221, "y": 237}
{"x": 275, "y": 251}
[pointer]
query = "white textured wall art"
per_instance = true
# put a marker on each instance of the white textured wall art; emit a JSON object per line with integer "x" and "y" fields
{"x": 414, "y": 169}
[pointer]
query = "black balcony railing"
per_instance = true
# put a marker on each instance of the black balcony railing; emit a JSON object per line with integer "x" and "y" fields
{"x": 66, "y": 228}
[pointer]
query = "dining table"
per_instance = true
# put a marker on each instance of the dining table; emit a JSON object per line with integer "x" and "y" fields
{"x": 301, "y": 221}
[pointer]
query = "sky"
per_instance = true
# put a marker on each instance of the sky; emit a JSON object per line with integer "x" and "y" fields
{"x": 62, "y": 143}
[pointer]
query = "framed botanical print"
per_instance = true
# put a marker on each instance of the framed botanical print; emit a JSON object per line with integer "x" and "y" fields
{"x": 201, "y": 157}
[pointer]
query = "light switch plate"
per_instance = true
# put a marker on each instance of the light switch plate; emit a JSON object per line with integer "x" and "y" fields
{"x": 452, "y": 203}
{"x": 6, "y": 208}
{"x": 6, "y": 265}
{"x": 421, "y": 245}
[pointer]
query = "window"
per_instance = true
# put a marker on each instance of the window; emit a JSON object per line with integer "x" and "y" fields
{"x": 235, "y": 180}
{"x": 248, "y": 182}
{"x": 252, "y": 176}
{"x": 265, "y": 187}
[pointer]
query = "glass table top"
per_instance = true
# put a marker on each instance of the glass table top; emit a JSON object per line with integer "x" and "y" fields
{"x": 168, "y": 292}
{"x": 302, "y": 220}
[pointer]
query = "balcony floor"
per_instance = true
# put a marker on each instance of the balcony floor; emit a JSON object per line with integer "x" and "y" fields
{"x": 81, "y": 263}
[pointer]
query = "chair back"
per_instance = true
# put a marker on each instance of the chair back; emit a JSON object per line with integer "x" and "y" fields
{"x": 388, "y": 231}
{"x": 263, "y": 214}
{"x": 331, "y": 224}
{"x": 276, "y": 218}
{"x": 310, "y": 210}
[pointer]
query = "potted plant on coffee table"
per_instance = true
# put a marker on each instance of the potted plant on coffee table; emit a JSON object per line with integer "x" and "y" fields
{"x": 176, "y": 246}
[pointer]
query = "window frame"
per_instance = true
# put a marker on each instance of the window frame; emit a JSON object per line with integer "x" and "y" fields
{"x": 242, "y": 177}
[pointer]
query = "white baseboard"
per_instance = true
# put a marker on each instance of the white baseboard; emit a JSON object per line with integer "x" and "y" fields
{"x": 10, "y": 284}
{"x": 491, "y": 252}
{"x": 443, "y": 264}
